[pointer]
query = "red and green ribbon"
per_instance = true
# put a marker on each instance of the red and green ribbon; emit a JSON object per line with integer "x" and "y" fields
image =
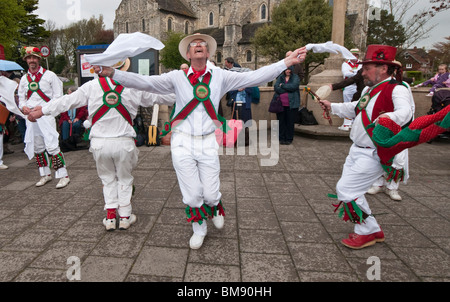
{"x": 204, "y": 212}
{"x": 111, "y": 99}
{"x": 202, "y": 94}
{"x": 33, "y": 86}
{"x": 349, "y": 211}
{"x": 393, "y": 139}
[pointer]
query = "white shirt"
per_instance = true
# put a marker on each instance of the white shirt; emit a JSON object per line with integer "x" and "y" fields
{"x": 403, "y": 113}
{"x": 222, "y": 81}
{"x": 49, "y": 84}
{"x": 348, "y": 71}
{"x": 112, "y": 124}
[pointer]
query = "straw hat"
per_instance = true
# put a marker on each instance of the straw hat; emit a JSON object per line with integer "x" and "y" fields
{"x": 183, "y": 46}
{"x": 31, "y": 51}
{"x": 122, "y": 65}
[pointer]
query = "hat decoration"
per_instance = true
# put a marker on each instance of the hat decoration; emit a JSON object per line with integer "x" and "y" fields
{"x": 27, "y": 51}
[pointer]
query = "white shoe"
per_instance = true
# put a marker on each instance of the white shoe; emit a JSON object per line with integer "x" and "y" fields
{"x": 3, "y": 167}
{"x": 218, "y": 221}
{"x": 110, "y": 224}
{"x": 375, "y": 189}
{"x": 196, "y": 241}
{"x": 344, "y": 128}
{"x": 43, "y": 180}
{"x": 393, "y": 194}
{"x": 125, "y": 223}
{"x": 63, "y": 182}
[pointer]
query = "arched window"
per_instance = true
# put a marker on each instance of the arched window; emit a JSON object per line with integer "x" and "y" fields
{"x": 126, "y": 27}
{"x": 219, "y": 57}
{"x": 211, "y": 19}
{"x": 263, "y": 12}
{"x": 169, "y": 24}
{"x": 143, "y": 25}
{"x": 249, "y": 55}
{"x": 186, "y": 27}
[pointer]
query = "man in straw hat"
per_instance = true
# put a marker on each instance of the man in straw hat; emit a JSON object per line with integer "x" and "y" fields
{"x": 112, "y": 109}
{"x": 383, "y": 96}
{"x": 38, "y": 87}
{"x": 193, "y": 142}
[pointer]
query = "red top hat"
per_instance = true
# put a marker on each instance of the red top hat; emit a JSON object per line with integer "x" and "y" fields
{"x": 380, "y": 54}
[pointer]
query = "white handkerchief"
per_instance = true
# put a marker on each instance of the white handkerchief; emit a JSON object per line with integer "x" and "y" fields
{"x": 7, "y": 89}
{"x": 332, "y": 48}
{"x": 123, "y": 47}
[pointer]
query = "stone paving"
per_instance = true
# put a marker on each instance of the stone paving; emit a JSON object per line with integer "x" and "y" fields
{"x": 280, "y": 225}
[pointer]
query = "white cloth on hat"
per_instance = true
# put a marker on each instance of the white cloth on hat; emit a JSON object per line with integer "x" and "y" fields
{"x": 7, "y": 89}
{"x": 123, "y": 47}
{"x": 332, "y": 48}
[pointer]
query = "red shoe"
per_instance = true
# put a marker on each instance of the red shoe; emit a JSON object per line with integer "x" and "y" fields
{"x": 379, "y": 236}
{"x": 355, "y": 241}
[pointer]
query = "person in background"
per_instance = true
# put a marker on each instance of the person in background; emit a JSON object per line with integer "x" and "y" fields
{"x": 440, "y": 80}
{"x": 287, "y": 87}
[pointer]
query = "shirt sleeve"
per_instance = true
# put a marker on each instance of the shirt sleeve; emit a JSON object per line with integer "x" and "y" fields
{"x": 61, "y": 104}
{"x": 149, "y": 99}
{"x": 156, "y": 83}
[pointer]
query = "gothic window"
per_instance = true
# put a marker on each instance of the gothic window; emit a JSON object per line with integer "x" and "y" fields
{"x": 219, "y": 57}
{"x": 263, "y": 12}
{"x": 211, "y": 19}
{"x": 186, "y": 27}
{"x": 169, "y": 24}
{"x": 249, "y": 55}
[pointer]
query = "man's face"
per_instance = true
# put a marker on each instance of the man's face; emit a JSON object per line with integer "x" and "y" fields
{"x": 198, "y": 49}
{"x": 372, "y": 74}
{"x": 33, "y": 62}
{"x": 228, "y": 64}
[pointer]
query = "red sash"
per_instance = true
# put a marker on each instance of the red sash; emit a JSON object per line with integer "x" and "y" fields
{"x": 201, "y": 96}
{"x": 383, "y": 104}
{"x": 111, "y": 99}
{"x": 33, "y": 86}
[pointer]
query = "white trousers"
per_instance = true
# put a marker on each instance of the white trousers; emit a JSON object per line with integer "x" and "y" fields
{"x": 41, "y": 142}
{"x": 196, "y": 163}
{"x": 115, "y": 159}
{"x": 361, "y": 168}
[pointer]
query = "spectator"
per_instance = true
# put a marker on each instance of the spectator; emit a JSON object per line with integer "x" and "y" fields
{"x": 287, "y": 86}
{"x": 71, "y": 124}
{"x": 440, "y": 80}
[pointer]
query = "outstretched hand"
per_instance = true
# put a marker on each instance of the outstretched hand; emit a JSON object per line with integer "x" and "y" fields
{"x": 296, "y": 57}
{"x": 104, "y": 71}
{"x": 325, "y": 105}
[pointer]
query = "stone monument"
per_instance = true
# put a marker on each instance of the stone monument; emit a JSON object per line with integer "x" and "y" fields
{"x": 332, "y": 72}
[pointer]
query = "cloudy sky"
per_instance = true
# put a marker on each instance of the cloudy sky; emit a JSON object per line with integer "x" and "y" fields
{"x": 65, "y": 12}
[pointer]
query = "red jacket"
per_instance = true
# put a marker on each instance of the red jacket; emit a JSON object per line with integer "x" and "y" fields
{"x": 81, "y": 114}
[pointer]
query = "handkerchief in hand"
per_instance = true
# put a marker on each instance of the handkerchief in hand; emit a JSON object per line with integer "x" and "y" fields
{"x": 123, "y": 47}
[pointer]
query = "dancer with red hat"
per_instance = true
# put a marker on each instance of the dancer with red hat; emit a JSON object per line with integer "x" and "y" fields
{"x": 383, "y": 96}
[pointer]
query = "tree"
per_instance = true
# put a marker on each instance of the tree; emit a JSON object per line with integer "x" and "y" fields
{"x": 170, "y": 56}
{"x": 10, "y": 16}
{"x": 441, "y": 52}
{"x": 418, "y": 26}
{"x": 295, "y": 23}
{"x": 32, "y": 30}
{"x": 386, "y": 30}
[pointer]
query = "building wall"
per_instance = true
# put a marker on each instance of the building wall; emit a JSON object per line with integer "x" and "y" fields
{"x": 230, "y": 15}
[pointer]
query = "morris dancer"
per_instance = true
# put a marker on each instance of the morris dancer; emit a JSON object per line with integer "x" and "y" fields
{"x": 383, "y": 97}
{"x": 112, "y": 109}
{"x": 193, "y": 142}
{"x": 349, "y": 69}
{"x": 38, "y": 87}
